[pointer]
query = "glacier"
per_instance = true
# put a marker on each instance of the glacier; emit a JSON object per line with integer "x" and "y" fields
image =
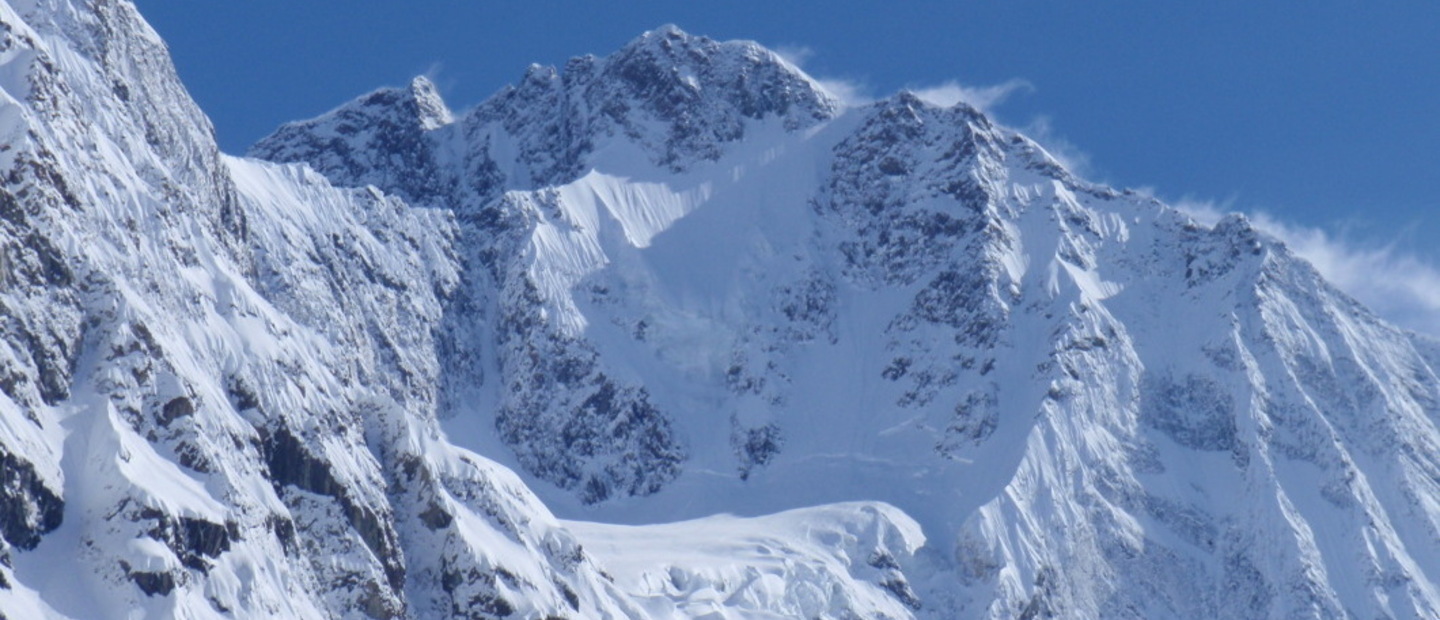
{"x": 668, "y": 333}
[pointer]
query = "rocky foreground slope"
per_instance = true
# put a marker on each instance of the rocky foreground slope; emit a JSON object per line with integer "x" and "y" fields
{"x": 939, "y": 375}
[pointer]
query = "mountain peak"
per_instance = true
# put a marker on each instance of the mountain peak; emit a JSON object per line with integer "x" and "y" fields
{"x": 745, "y": 72}
{"x": 1054, "y": 399}
{"x": 429, "y": 106}
{"x": 344, "y": 143}
{"x": 415, "y": 107}
{"x": 668, "y": 36}
{"x": 668, "y": 31}
{"x": 418, "y": 103}
{"x": 683, "y": 47}
{"x": 674, "y": 41}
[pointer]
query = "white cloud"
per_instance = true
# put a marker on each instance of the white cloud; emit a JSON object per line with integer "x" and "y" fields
{"x": 852, "y": 93}
{"x": 1207, "y": 212}
{"x": 987, "y": 98}
{"x": 1400, "y": 286}
{"x": 794, "y": 54}
{"x": 983, "y": 98}
{"x": 849, "y": 93}
{"x": 1065, "y": 152}
{"x": 433, "y": 71}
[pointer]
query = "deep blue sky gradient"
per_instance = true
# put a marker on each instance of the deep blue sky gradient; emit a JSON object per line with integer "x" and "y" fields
{"x": 1323, "y": 113}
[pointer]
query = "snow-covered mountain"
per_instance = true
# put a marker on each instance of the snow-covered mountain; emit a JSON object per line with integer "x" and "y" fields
{"x": 935, "y": 374}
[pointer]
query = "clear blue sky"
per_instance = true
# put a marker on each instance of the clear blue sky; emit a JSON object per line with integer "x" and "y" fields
{"x": 1323, "y": 113}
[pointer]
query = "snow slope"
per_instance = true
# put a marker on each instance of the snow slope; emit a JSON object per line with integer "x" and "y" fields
{"x": 934, "y": 374}
{"x": 220, "y": 375}
{"x": 1093, "y": 406}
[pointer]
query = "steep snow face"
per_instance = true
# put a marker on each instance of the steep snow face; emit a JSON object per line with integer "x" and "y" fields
{"x": 548, "y": 179}
{"x": 1092, "y": 405}
{"x": 219, "y": 376}
{"x": 676, "y": 281}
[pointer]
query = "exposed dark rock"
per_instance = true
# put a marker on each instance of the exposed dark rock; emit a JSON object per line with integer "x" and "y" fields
{"x": 284, "y": 530}
{"x": 193, "y": 541}
{"x": 756, "y": 447}
{"x": 28, "y": 508}
{"x": 1040, "y": 606}
{"x": 1194, "y": 411}
{"x": 205, "y": 539}
{"x": 291, "y": 463}
{"x": 436, "y": 517}
{"x": 242, "y": 396}
{"x": 883, "y": 561}
{"x": 900, "y": 589}
{"x": 176, "y": 408}
{"x": 613, "y": 425}
{"x": 151, "y": 583}
{"x": 976, "y": 418}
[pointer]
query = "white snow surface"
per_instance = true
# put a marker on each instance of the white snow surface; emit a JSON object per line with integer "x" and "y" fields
{"x": 767, "y": 356}
{"x": 784, "y": 565}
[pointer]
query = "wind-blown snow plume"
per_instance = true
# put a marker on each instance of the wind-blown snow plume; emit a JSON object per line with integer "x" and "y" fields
{"x": 1400, "y": 286}
{"x": 939, "y": 374}
{"x": 983, "y": 98}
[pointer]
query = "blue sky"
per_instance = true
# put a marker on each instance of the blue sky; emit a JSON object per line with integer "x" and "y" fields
{"x": 1323, "y": 116}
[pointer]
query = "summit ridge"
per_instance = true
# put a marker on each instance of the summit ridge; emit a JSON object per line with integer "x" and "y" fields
{"x": 764, "y": 355}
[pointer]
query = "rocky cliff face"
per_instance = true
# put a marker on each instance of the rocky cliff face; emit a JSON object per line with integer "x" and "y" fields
{"x": 222, "y": 375}
{"x": 668, "y": 102}
{"x": 675, "y": 281}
